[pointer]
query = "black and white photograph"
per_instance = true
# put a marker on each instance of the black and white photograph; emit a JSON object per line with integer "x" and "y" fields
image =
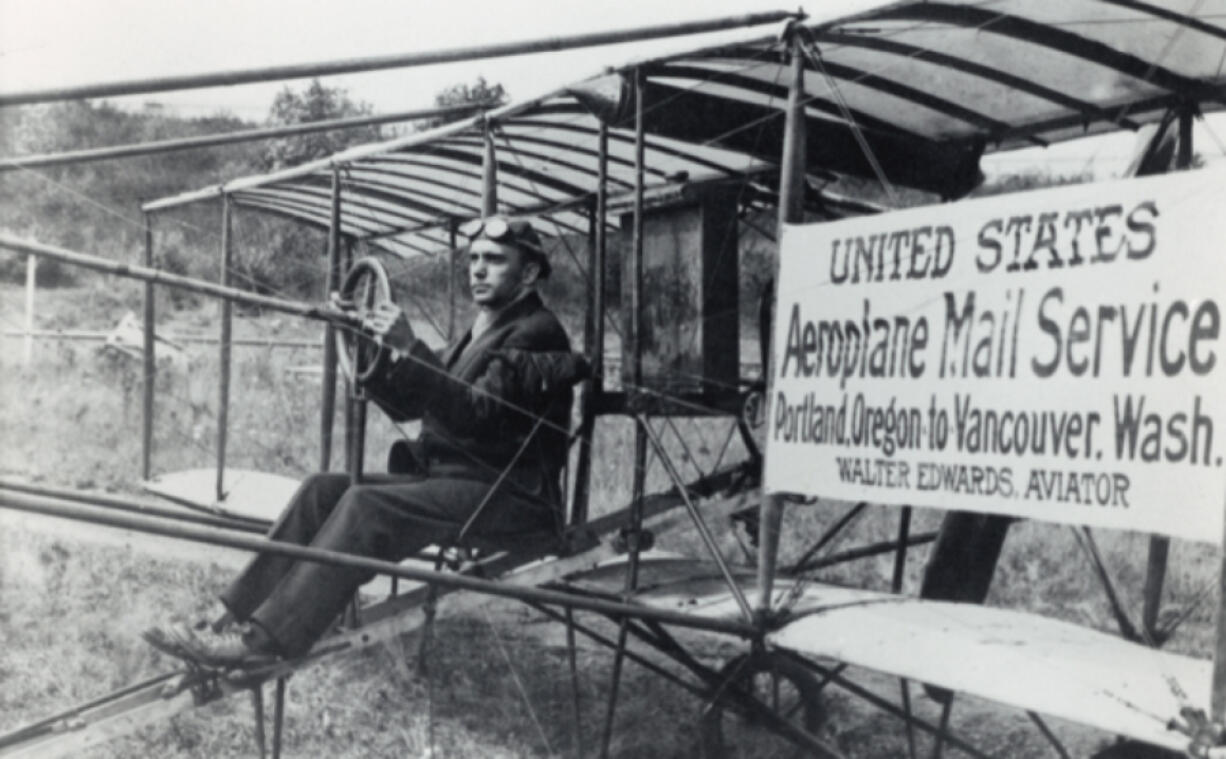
{"x": 639, "y": 380}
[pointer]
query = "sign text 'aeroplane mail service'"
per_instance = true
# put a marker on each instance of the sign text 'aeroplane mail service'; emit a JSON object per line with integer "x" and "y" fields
{"x": 1057, "y": 355}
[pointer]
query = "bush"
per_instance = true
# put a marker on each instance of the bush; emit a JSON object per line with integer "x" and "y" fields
{"x": 50, "y": 273}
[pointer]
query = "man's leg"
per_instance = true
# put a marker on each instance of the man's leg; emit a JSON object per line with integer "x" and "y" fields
{"x": 307, "y": 511}
{"x": 387, "y": 521}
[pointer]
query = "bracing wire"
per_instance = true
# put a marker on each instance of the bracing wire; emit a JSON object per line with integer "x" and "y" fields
{"x": 1156, "y": 62}
{"x": 519, "y": 683}
{"x": 814, "y": 55}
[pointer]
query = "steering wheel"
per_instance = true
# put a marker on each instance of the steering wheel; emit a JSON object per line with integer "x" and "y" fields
{"x": 366, "y": 286}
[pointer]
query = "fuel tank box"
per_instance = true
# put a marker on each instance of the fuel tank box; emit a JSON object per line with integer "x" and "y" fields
{"x": 689, "y": 326}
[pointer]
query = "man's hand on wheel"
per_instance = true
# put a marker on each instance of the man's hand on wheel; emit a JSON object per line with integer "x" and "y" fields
{"x": 341, "y": 305}
{"x": 387, "y": 323}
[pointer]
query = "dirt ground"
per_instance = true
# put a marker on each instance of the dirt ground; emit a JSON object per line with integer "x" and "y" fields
{"x": 496, "y": 683}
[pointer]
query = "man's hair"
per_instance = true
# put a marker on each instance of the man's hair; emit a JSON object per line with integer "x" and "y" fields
{"x": 517, "y": 232}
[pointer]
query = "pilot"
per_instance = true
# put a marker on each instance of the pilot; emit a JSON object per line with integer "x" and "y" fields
{"x": 495, "y": 410}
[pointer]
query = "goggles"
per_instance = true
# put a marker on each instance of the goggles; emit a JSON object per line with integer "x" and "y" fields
{"x": 516, "y": 232}
{"x": 494, "y": 228}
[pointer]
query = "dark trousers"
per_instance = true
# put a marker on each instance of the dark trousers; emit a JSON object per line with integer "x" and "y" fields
{"x": 386, "y": 517}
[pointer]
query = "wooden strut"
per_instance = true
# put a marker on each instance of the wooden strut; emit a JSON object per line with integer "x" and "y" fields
{"x": 350, "y": 388}
{"x": 1217, "y": 699}
{"x": 872, "y": 549}
{"x": 213, "y": 140}
{"x": 804, "y": 562}
{"x": 355, "y": 425}
{"x": 61, "y": 508}
{"x": 881, "y": 703}
{"x": 938, "y": 745}
{"x": 101, "y": 336}
{"x": 148, "y": 375}
{"x": 332, "y": 281}
{"x": 791, "y": 210}
{"x": 711, "y": 680}
{"x": 452, "y": 254}
{"x": 1049, "y": 735}
{"x": 1160, "y": 546}
{"x": 257, "y": 708}
{"x": 100, "y": 500}
{"x": 51, "y": 723}
{"x": 631, "y": 655}
{"x": 900, "y": 565}
{"x": 635, "y": 529}
{"x": 31, "y": 287}
{"x": 278, "y": 716}
{"x": 593, "y": 338}
{"x": 489, "y": 171}
{"x": 593, "y": 334}
{"x": 224, "y": 351}
{"x": 161, "y": 277}
{"x": 704, "y": 532}
{"x": 900, "y": 554}
{"x": 905, "y": 689}
{"x": 381, "y": 62}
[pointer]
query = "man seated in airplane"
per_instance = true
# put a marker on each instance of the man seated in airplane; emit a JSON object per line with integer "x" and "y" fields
{"x": 495, "y": 410}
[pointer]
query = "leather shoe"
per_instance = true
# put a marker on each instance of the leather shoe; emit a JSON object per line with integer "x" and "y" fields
{"x": 231, "y": 648}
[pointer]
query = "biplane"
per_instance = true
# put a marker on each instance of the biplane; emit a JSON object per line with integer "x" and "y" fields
{"x": 677, "y": 158}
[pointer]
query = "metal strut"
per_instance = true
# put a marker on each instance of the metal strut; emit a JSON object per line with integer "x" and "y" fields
{"x": 802, "y": 564}
{"x": 53, "y": 507}
{"x": 576, "y": 710}
{"x": 640, "y": 434}
{"x": 632, "y": 568}
{"x": 906, "y": 705}
{"x": 1049, "y": 735}
{"x": 704, "y": 532}
{"x": 886, "y": 706}
{"x": 278, "y": 717}
{"x": 257, "y": 706}
{"x": 659, "y": 639}
{"x": 938, "y": 745}
{"x": 332, "y": 281}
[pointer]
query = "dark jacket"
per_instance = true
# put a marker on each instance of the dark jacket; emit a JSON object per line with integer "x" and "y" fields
{"x": 504, "y": 402}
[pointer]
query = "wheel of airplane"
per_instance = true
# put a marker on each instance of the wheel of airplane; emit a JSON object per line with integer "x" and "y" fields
{"x": 729, "y": 728}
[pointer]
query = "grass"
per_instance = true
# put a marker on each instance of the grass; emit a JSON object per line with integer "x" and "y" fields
{"x": 71, "y": 608}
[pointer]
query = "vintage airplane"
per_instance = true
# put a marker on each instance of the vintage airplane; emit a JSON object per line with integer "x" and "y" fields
{"x": 680, "y": 154}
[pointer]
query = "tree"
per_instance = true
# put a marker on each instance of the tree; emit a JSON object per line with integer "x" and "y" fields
{"x": 92, "y": 206}
{"x": 315, "y": 103}
{"x": 280, "y": 256}
{"x": 479, "y": 91}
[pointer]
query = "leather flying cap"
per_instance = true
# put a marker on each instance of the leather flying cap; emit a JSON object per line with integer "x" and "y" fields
{"x": 517, "y": 232}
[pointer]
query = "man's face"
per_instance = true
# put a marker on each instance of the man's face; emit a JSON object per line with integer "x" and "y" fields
{"x": 497, "y": 273}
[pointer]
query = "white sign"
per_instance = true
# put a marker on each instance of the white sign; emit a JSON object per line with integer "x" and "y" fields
{"x": 1055, "y": 355}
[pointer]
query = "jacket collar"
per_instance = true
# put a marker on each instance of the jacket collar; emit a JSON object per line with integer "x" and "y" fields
{"x": 520, "y": 308}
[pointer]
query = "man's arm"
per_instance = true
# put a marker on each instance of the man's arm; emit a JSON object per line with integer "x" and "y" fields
{"x": 515, "y": 383}
{"x": 540, "y": 372}
{"x": 398, "y": 388}
{"x": 402, "y": 389}
{"x": 515, "y": 386}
